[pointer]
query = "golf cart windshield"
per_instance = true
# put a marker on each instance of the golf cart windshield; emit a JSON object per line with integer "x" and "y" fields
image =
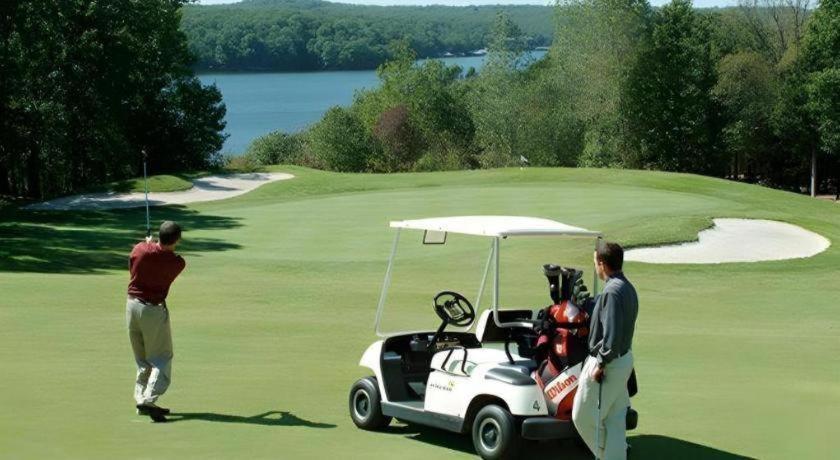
{"x": 494, "y": 261}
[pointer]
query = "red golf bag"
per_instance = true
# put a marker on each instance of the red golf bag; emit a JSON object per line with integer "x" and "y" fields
{"x": 561, "y": 345}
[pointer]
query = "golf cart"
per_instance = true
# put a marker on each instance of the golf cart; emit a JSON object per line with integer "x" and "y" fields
{"x": 484, "y": 382}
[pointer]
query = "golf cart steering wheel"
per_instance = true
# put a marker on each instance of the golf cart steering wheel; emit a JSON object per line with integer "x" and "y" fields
{"x": 454, "y": 309}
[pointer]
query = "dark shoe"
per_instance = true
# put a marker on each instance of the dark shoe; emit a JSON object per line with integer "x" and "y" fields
{"x": 157, "y": 414}
{"x": 146, "y": 409}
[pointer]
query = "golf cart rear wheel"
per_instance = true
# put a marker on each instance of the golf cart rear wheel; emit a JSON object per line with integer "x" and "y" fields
{"x": 366, "y": 405}
{"x": 494, "y": 433}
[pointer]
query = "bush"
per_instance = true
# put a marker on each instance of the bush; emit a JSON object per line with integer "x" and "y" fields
{"x": 278, "y": 148}
{"x": 340, "y": 140}
{"x": 242, "y": 164}
{"x": 399, "y": 140}
{"x": 445, "y": 156}
{"x": 496, "y": 159}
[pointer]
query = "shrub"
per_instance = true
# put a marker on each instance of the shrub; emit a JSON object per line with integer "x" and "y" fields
{"x": 445, "y": 156}
{"x": 399, "y": 141}
{"x": 340, "y": 140}
{"x": 277, "y": 148}
{"x": 242, "y": 164}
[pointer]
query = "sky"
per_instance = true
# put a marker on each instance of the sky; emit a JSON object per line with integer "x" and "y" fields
{"x": 697, "y": 3}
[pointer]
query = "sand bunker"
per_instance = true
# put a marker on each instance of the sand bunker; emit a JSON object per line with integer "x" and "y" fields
{"x": 738, "y": 240}
{"x": 207, "y": 188}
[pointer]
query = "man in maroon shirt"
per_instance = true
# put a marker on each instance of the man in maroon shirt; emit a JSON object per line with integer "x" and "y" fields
{"x": 153, "y": 267}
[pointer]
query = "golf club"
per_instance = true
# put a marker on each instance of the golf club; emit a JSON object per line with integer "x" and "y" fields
{"x": 146, "y": 191}
{"x": 598, "y": 426}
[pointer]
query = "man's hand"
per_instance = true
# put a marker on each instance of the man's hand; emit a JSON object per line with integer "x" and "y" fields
{"x": 149, "y": 239}
{"x": 598, "y": 374}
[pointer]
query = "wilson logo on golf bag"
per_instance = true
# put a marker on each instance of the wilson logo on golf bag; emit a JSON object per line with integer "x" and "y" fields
{"x": 560, "y": 390}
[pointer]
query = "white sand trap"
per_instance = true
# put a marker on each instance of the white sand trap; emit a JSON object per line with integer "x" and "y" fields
{"x": 738, "y": 240}
{"x": 207, "y": 188}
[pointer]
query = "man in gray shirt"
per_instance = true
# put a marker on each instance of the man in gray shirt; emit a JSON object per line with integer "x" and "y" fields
{"x": 602, "y": 399}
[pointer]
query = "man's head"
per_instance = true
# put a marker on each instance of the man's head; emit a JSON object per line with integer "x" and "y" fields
{"x": 609, "y": 259}
{"x": 169, "y": 234}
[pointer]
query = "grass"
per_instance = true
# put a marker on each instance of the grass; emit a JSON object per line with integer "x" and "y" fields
{"x": 165, "y": 182}
{"x": 159, "y": 183}
{"x": 278, "y": 300}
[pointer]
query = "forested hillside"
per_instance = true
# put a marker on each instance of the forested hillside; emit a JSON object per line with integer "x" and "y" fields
{"x": 748, "y": 93}
{"x": 315, "y": 35}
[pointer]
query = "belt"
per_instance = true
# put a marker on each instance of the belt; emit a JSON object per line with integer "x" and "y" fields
{"x": 147, "y": 303}
{"x": 594, "y": 354}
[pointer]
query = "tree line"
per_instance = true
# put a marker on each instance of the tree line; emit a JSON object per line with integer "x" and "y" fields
{"x": 748, "y": 93}
{"x": 288, "y": 35}
{"x": 86, "y": 86}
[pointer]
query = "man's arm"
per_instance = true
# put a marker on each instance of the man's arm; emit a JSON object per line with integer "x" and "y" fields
{"x": 611, "y": 319}
{"x": 182, "y": 264}
{"x": 132, "y": 258}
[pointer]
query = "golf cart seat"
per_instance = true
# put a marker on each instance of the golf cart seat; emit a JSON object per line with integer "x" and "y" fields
{"x": 462, "y": 361}
{"x": 487, "y": 332}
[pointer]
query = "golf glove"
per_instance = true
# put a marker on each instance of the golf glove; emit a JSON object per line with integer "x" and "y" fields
{"x": 580, "y": 294}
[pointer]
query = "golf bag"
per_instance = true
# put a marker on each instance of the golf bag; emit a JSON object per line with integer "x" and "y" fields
{"x": 562, "y": 343}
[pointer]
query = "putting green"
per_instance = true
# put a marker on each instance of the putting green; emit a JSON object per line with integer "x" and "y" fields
{"x": 278, "y": 301}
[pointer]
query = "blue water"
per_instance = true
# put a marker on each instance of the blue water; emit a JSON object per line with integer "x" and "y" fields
{"x": 258, "y": 103}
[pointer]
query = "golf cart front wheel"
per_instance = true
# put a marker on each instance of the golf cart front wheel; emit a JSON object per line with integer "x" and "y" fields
{"x": 494, "y": 434}
{"x": 366, "y": 405}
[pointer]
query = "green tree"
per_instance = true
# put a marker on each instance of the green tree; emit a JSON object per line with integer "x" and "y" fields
{"x": 341, "y": 141}
{"x": 399, "y": 140}
{"x": 747, "y": 91}
{"x": 671, "y": 118}
{"x": 821, "y": 60}
{"x": 594, "y": 45}
{"x": 278, "y": 148}
{"x": 433, "y": 109}
{"x": 88, "y": 85}
{"x": 775, "y": 27}
{"x": 496, "y": 97}
{"x": 552, "y": 134}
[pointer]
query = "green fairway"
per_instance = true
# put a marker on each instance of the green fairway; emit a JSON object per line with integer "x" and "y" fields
{"x": 278, "y": 299}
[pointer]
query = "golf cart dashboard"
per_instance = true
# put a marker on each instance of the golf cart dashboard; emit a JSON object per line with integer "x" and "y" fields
{"x": 423, "y": 341}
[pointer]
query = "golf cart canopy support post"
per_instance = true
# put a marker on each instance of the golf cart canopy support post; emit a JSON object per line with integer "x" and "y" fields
{"x": 484, "y": 277}
{"x": 496, "y": 227}
{"x": 386, "y": 284}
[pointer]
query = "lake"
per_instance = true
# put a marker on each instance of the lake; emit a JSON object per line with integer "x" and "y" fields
{"x": 258, "y": 103}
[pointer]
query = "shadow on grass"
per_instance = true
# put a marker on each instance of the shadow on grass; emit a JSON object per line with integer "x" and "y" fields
{"x": 643, "y": 446}
{"x": 80, "y": 242}
{"x": 651, "y": 446}
{"x": 427, "y": 435}
{"x": 284, "y": 419}
{"x": 567, "y": 450}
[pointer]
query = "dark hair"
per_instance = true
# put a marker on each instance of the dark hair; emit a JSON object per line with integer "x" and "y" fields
{"x": 170, "y": 233}
{"x": 611, "y": 255}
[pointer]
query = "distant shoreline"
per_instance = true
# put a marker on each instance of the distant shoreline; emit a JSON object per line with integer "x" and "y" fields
{"x": 204, "y": 71}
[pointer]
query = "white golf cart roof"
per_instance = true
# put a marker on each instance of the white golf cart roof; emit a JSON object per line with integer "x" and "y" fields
{"x": 495, "y": 226}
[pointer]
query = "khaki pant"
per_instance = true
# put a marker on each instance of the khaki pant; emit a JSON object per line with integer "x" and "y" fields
{"x": 612, "y": 439}
{"x": 151, "y": 342}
